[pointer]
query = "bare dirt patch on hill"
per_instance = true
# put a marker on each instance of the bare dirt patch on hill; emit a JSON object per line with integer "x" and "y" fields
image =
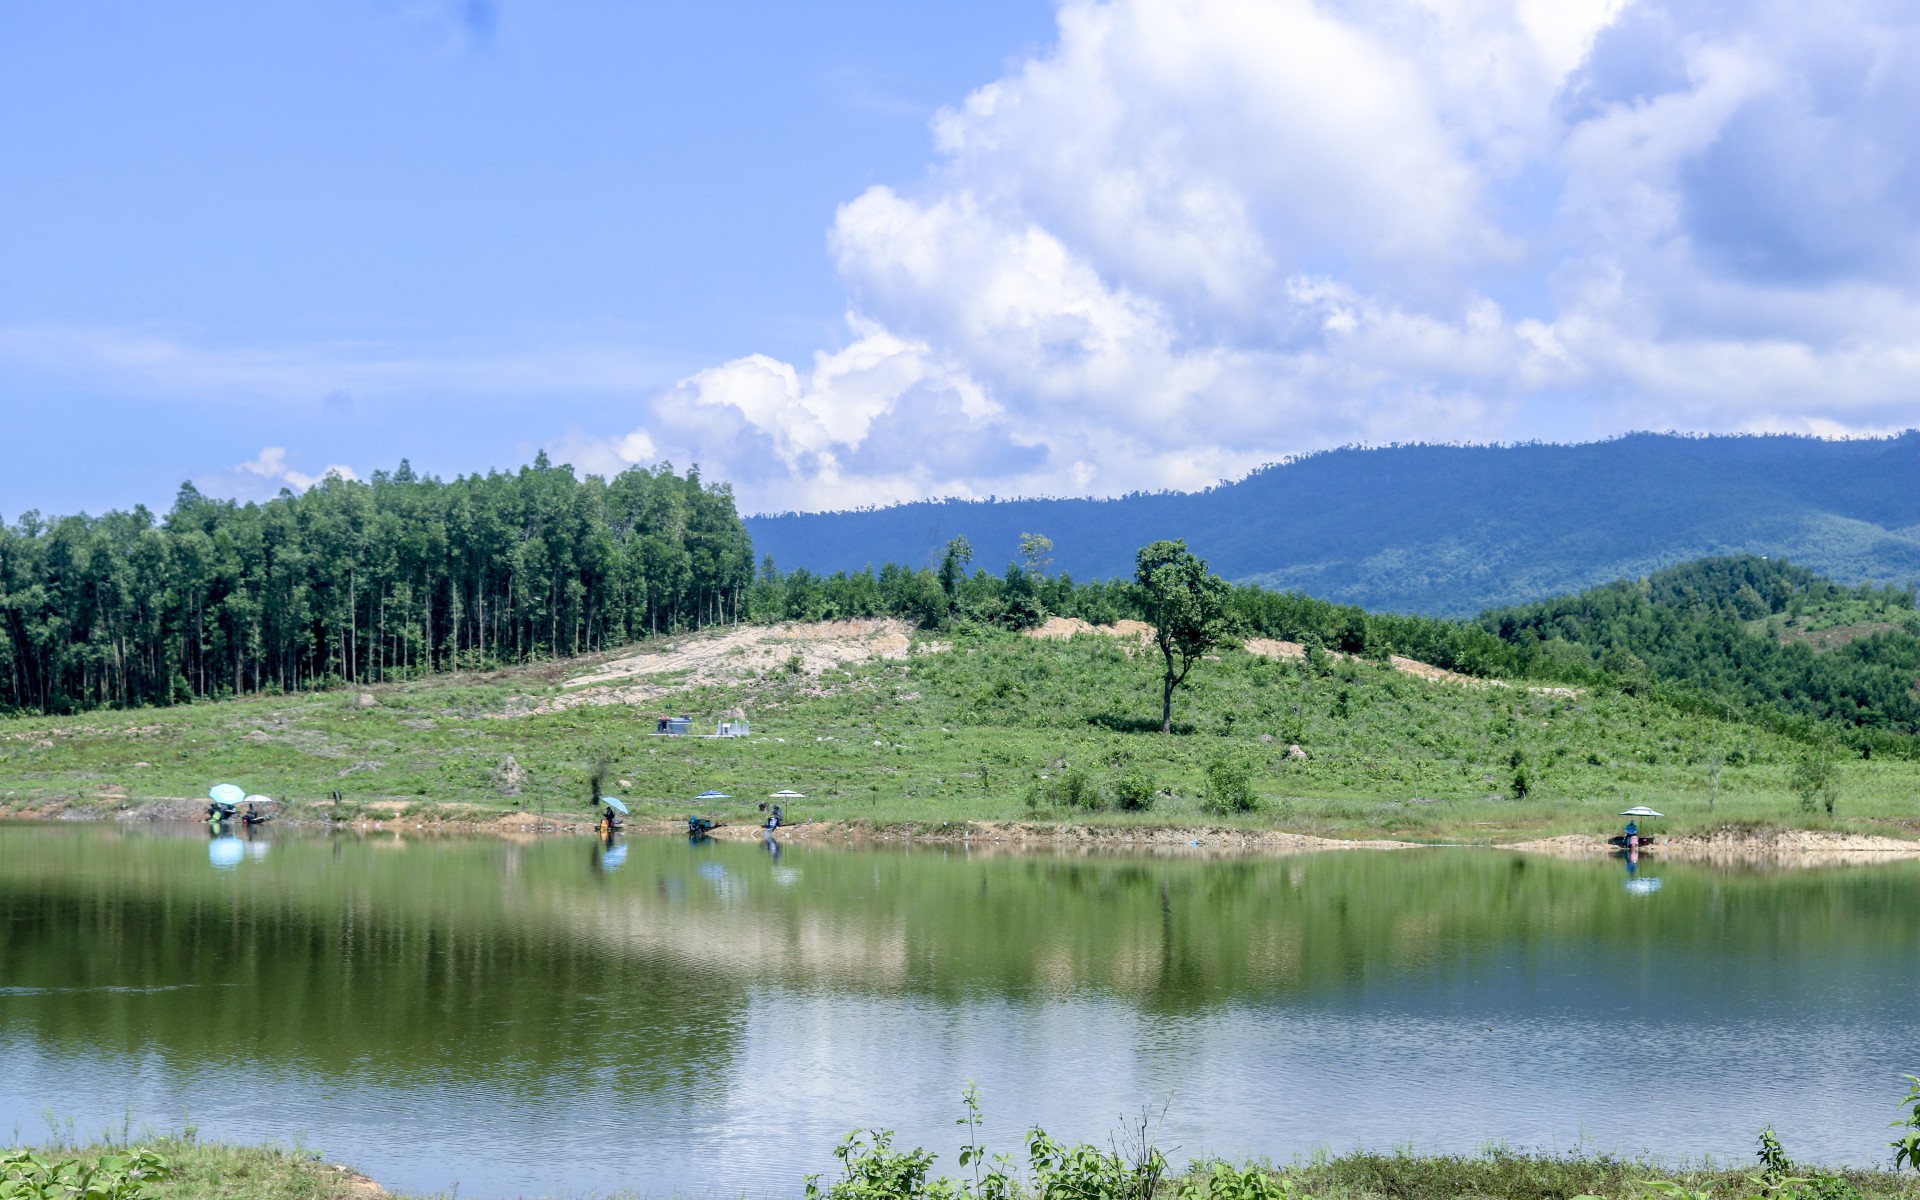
{"x": 1273, "y": 648}
{"x": 1835, "y": 636}
{"x": 734, "y": 655}
{"x": 1060, "y": 629}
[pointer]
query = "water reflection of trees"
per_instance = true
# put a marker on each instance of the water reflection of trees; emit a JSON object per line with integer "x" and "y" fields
{"x": 485, "y": 957}
{"x": 350, "y": 961}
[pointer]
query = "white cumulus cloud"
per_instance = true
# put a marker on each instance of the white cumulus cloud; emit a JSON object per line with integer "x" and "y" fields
{"x": 263, "y": 477}
{"x": 1191, "y": 236}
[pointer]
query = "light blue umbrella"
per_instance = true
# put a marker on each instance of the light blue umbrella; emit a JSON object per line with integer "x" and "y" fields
{"x": 614, "y": 803}
{"x": 713, "y": 796}
{"x": 226, "y": 793}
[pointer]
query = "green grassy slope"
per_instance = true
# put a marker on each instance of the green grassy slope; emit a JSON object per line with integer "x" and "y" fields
{"x": 995, "y": 725}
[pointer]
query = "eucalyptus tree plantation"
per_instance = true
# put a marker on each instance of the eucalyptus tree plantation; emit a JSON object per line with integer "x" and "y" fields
{"x": 363, "y": 582}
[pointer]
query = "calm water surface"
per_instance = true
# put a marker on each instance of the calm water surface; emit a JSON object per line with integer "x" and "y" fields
{"x": 548, "y": 1016}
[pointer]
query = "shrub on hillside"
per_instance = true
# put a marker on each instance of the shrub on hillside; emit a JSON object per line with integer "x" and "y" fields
{"x": 1074, "y": 788}
{"x": 1229, "y": 787}
{"x": 1133, "y": 791}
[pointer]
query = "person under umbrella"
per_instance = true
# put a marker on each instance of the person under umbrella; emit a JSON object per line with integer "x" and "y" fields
{"x": 609, "y": 821}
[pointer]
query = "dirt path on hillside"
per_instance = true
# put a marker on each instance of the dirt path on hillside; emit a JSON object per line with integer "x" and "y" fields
{"x": 1141, "y": 634}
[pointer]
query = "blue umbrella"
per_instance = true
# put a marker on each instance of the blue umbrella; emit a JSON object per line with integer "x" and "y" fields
{"x": 614, "y": 803}
{"x": 713, "y": 796}
{"x": 226, "y": 793}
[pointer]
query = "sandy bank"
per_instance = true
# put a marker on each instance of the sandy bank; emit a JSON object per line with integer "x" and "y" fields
{"x": 1732, "y": 845}
{"x": 1742, "y": 846}
{"x": 1034, "y": 835}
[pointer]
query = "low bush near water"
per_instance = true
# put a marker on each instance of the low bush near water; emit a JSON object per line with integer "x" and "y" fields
{"x": 1134, "y": 1169}
{"x": 127, "y": 1175}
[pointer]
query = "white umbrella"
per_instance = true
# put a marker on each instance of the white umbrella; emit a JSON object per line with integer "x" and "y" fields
{"x": 1641, "y": 811}
{"x": 259, "y": 799}
{"x": 789, "y": 794}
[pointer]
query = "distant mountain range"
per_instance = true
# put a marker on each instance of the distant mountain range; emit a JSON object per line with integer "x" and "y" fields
{"x": 1445, "y": 530}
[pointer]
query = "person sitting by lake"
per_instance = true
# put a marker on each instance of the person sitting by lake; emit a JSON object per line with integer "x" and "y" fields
{"x": 1633, "y": 832}
{"x": 774, "y": 819}
{"x": 609, "y": 822}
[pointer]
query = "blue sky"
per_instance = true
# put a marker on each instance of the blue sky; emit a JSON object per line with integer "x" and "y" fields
{"x": 868, "y": 252}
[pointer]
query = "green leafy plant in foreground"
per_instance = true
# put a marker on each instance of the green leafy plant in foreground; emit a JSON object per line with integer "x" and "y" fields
{"x": 1776, "y": 1175}
{"x": 1906, "y": 1148}
{"x": 871, "y": 1169}
{"x": 127, "y": 1175}
{"x": 1775, "y": 1180}
{"x": 1224, "y": 1181}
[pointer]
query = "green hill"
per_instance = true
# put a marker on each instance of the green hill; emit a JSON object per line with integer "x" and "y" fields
{"x": 1740, "y": 630}
{"x": 1447, "y": 530}
{"x": 976, "y": 724}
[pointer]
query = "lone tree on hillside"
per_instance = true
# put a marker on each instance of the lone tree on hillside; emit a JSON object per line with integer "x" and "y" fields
{"x": 953, "y": 569}
{"x": 1187, "y": 605}
{"x": 1036, "y": 552}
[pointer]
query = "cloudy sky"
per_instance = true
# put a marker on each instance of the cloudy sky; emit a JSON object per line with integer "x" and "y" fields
{"x": 871, "y": 251}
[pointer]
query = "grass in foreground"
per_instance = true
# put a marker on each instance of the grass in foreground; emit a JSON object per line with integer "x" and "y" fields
{"x": 198, "y": 1170}
{"x": 170, "y": 1167}
{"x": 988, "y": 725}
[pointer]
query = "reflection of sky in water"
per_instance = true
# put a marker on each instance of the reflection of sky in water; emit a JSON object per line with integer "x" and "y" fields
{"x": 728, "y": 1017}
{"x": 1244, "y": 1080}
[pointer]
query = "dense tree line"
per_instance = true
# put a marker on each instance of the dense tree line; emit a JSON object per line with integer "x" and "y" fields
{"x": 1703, "y": 626}
{"x": 349, "y": 581}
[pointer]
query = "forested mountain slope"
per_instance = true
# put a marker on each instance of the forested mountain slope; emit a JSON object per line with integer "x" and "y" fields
{"x": 1729, "y": 629}
{"x": 1447, "y": 529}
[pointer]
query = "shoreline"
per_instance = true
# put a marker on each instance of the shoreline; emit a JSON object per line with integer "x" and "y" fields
{"x": 1730, "y": 844}
{"x": 219, "y": 1170}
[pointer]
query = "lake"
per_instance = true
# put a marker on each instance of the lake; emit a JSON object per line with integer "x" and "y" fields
{"x": 548, "y": 1015}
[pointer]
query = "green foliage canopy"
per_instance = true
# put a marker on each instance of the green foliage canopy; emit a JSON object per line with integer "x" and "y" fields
{"x": 358, "y": 582}
{"x": 1187, "y": 605}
